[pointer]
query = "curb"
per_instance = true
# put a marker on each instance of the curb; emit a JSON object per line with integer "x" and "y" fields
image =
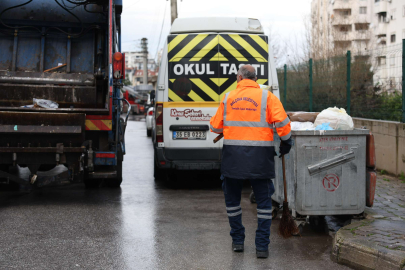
{"x": 361, "y": 254}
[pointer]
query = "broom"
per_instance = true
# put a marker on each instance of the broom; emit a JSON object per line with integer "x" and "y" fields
{"x": 220, "y": 136}
{"x": 287, "y": 224}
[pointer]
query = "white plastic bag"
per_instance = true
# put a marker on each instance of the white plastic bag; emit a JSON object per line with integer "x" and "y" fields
{"x": 265, "y": 87}
{"x": 44, "y": 103}
{"x": 338, "y": 119}
{"x": 302, "y": 126}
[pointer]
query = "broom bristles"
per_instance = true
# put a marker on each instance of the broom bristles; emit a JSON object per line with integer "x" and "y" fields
{"x": 287, "y": 224}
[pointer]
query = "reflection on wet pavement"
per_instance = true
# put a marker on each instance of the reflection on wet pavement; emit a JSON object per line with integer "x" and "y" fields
{"x": 143, "y": 225}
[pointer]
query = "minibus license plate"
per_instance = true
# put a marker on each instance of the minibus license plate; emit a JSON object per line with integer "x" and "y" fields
{"x": 189, "y": 135}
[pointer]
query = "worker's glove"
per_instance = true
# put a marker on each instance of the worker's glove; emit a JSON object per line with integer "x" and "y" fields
{"x": 284, "y": 148}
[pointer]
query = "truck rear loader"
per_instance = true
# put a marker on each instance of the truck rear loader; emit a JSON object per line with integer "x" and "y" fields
{"x": 67, "y": 52}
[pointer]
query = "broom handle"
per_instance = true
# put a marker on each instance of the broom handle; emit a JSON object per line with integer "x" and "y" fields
{"x": 285, "y": 181}
{"x": 220, "y": 136}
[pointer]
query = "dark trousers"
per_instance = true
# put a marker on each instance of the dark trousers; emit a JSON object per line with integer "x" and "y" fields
{"x": 263, "y": 189}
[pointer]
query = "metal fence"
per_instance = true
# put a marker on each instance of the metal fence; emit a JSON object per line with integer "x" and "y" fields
{"x": 367, "y": 85}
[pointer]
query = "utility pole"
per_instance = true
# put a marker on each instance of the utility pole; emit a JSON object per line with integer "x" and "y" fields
{"x": 173, "y": 4}
{"x": 144, "y": 45}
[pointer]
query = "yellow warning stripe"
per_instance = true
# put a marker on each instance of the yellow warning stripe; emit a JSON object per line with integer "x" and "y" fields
{"x": 193, "y": 95}
{"x": 219, "y": 81}
{"x": 91, "y": 126}
{"x": 175, "y": 42}
{"x": 207, "y": 48}
{"x": 186, "y": 49}
{"x": 261, "y": 42}
{"x": 173, "y": 96}
{"x": 248, "y": 48}
{"x": 205, "y": 88}
{"x": 229, "y": 89}
{"x": 227, "y": 46}
{"x": 219, "y": 57}
{"x": 98, "y": 124}
{"x": 191, "y": 104}
{"x": 261, "y": 81}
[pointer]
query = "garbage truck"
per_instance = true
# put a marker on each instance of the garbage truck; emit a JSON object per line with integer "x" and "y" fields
{"x": 61, "y": 72}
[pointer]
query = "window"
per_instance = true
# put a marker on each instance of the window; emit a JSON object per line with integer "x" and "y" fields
{"x": 376, "y": 1}
{"x": 363, "y": 10}
{"x": 393, "y": 17}
{"x": 393, "y": 38}
{"x": 392, "y": 60}
{"x": 346, "y": 12}
{"x": 361, "y": 26}
{"x": 403, "y": 11}
{"x": 381, "y": 61}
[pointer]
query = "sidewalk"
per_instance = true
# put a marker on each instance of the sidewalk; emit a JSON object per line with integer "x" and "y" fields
{"x": 378, "y": 242}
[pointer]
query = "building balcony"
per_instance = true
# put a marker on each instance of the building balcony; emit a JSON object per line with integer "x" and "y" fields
{"x": 361, "y": 18}
{"x": 342, "y": 20}
{"x": 343, "y": 36}
{"x": 380, "y": 51}
{"x": 381, "y": 29}
{"x": 342, "y": 4}
{"x": 381, "y": 6}
{"x": 361, "y": 35}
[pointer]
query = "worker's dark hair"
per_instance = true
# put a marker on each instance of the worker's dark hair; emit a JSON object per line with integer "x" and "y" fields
{"x": 246, "y": 73}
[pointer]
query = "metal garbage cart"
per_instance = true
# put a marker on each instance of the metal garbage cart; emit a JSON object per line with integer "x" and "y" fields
{"x": 326, "y": 173}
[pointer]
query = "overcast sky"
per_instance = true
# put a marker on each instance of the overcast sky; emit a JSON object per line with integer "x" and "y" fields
{"x": 144, "y": 18}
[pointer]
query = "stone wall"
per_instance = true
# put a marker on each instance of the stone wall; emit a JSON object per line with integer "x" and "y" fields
{"x": 389, "y": 143}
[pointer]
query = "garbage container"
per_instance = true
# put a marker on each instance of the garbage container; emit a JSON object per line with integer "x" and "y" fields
{"x": 326, "y": 173}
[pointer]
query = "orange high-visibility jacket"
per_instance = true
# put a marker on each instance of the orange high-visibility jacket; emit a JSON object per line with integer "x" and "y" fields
{"x": 246, "y": 117}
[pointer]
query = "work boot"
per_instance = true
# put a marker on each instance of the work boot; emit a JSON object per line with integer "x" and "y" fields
{"x": 237, "y": 247}
{"x": 262, "y": 253}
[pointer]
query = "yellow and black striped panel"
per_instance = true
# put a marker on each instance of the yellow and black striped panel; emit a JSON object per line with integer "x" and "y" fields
{"x": 203, "y": 67}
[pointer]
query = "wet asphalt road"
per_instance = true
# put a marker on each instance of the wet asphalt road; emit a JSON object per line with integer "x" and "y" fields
{"x": 143, "y": 225}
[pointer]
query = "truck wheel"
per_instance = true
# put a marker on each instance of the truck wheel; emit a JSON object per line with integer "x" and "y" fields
{"x": 116, "y": 182}
{"x": 148, "y": 132}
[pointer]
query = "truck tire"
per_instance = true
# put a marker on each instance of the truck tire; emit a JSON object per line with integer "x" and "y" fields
{"x": 116, "y": 182}
{"x": 148, "y": 132}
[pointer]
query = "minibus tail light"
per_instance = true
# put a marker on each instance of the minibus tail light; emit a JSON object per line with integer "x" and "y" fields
{"x": 159, "y": 123}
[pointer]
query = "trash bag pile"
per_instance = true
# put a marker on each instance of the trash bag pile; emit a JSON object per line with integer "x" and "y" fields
{"x": 328, "y": 119}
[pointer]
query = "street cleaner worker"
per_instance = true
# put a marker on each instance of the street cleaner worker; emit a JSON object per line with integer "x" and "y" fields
{"x": 246, "y": 117}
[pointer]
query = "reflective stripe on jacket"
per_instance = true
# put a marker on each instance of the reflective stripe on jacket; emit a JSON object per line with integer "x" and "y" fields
{"x": 246, "y": 117}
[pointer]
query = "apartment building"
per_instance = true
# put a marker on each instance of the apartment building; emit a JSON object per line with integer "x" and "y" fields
{"x": 341, "y": 25}
{"x": 135, "y": 60}
{"x": 372, "y": 28}
{"x": 134, "y": 65}
{"x": 389, "y": 29}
